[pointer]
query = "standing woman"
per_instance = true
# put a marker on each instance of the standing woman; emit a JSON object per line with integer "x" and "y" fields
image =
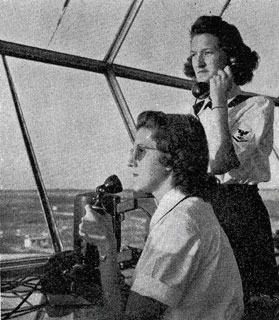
{"x": 239, "y": 130}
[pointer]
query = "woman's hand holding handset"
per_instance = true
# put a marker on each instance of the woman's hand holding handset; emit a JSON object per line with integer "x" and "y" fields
{"x": 220, "y": 85}
{"x": 98, "y": 230}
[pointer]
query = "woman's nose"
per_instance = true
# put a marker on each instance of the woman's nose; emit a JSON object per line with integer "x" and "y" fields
{"x": 201, "y": 61}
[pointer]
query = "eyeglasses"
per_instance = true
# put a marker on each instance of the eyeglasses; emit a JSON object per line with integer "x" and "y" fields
{"x": 139, "y": 151}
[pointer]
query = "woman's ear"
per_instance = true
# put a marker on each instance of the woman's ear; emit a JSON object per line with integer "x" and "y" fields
{"x": 166, "y": 161}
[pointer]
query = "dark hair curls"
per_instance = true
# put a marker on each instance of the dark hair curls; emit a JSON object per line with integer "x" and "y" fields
{"x": 182, "y": 141}
{"x": 230, "y": 41}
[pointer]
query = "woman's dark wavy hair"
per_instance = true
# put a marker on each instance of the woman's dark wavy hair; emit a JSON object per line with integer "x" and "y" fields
{"x": 182, "y": 141}
{"x": 230, "y": 41}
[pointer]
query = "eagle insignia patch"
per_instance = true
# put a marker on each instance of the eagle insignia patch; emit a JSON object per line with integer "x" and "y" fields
{"x": 241, "y": 135}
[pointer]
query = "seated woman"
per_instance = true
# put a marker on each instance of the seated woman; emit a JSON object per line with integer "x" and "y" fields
{"x": 187, "y": 269}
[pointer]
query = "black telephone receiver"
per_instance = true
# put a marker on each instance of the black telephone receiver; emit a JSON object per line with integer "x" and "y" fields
{"x": 200, "y": 90}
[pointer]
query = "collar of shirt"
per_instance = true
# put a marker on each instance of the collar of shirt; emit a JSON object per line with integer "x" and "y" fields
{"x": 202, "y": 105}
{"x": 206, "y": 103}
{"x": 167, "y": 203}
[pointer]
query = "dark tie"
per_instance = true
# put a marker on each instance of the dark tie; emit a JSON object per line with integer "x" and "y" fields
{"x": 197, "y": 107}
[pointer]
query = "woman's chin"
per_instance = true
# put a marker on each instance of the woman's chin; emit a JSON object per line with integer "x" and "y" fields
{"x": 138, "y": 188}
{"x": 203, "y": 79}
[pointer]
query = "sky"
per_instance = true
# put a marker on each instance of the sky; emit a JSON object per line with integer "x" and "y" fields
{"x": 74, "y": 125}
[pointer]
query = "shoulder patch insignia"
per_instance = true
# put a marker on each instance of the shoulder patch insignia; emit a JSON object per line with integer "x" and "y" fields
{"x": 241, "y": 135}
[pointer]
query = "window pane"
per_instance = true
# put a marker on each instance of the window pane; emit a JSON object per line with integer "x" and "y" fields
{"x": 79, "y": 140}
{"x": 155, "y": 97}
{"x": 87, "y": 28}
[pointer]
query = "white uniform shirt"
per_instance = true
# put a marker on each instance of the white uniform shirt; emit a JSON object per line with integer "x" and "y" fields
{"x": 188, "y": 264}
{"x": 251, "y": 127}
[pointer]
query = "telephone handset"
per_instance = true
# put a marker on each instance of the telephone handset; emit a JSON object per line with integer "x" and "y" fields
{"x": 200, "y": 90}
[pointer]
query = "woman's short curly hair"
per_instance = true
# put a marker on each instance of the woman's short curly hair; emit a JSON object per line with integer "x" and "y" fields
{"x": 230, "y": 41}
{"x": 182, "y": 141}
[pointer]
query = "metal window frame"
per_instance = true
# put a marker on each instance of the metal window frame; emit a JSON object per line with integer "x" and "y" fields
{"x": 110, "y": 70}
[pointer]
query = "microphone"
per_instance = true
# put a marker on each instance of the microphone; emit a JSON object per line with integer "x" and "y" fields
{"x": 87, "y": 254}
{"x": 111, "y": 185}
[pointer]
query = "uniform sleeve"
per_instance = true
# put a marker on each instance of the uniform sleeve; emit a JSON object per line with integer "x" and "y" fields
{"x": 169, "y": 261}
{"x": 253, "y": 129}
